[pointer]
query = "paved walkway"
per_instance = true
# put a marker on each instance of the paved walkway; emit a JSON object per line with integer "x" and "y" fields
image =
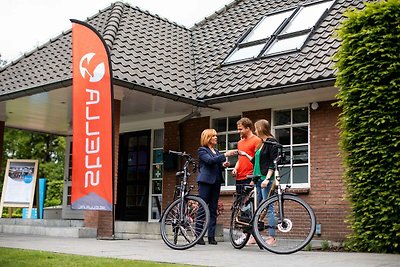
{"x": 222, "y": 254}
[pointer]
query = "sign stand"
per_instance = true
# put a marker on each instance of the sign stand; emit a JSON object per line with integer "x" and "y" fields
{"x": 19, "y": 184}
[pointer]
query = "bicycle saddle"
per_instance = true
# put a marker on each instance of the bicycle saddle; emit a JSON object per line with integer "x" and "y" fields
{"x": 254, "y": 178}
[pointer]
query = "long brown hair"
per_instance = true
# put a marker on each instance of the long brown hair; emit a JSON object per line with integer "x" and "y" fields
{"x": 264, "y": 128}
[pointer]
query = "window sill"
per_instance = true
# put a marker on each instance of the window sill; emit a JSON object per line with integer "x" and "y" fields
{"x": 299, "y": 191}
{"x": 227, "y": 192}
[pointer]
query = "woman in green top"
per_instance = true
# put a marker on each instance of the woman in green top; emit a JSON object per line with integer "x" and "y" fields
{"x": 263, "y": 165}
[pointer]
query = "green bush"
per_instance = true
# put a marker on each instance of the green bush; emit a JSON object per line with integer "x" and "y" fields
{"x": 54, "y": 193}
{"x": 368, "y": 79}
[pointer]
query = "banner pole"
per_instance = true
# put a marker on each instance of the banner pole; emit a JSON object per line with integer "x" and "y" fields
{"x": 94, "y": 99}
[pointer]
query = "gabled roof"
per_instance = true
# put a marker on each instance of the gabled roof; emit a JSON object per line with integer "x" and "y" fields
{"x": 154, "y": 55}
{"x": 148, "y": 53}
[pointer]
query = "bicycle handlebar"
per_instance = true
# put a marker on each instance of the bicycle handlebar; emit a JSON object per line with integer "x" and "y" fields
{"x": 181, "y": 154}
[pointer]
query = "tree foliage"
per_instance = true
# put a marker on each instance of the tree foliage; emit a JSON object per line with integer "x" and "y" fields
{"x": 48, "y": 149}
{"x": 368, "y": 64}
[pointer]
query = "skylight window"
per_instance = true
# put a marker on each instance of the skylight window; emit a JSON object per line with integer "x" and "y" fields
{"x": 267, "y": 26}
{"x": 279, "y": 32}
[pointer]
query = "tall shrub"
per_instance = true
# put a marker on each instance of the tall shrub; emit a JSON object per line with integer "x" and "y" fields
{"x": 368, "y": 79}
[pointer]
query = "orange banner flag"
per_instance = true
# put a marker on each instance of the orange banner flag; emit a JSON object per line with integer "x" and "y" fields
{"x": 92, "y": 119}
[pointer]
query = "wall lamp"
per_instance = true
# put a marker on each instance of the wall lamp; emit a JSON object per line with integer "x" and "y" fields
{"x": 314, "y": 105}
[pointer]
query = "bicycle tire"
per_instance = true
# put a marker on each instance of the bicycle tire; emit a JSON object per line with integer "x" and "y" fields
{"x": 237, "y": 230}
{"x": 183, "y": 233}
{"x": 293, "y": 233}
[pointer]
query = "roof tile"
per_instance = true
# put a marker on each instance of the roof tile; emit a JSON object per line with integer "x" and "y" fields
{"x": 153, "y": 52}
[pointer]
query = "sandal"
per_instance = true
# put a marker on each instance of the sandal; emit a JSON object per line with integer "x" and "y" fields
{"x": 271, "y": 241}
{"x": 251, "y": 241}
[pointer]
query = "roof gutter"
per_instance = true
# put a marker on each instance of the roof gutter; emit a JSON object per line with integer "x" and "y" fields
{"x": 157, "y": 92}
{"x": 269, "y": 91}
{"x": 36, "y": 90}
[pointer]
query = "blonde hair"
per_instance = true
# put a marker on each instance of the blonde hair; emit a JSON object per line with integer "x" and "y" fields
{"x": 206, "y": 136}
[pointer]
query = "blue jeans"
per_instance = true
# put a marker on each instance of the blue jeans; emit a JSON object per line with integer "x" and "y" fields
{"x": 262, "y": 194}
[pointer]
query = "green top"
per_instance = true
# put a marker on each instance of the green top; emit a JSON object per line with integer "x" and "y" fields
{"x": 256, "y": 168}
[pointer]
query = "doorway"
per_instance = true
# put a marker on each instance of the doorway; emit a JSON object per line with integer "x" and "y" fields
{"x": 134, "y": 177}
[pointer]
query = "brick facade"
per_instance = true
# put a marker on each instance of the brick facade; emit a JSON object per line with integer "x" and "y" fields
{"x": 181, "y": 137}
{"x": 326, "y": 194}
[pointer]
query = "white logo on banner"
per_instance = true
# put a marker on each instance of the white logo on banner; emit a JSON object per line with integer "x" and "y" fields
{"x": 98, "y": 71}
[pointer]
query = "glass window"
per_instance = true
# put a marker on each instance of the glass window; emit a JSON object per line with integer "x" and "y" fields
{"x": 158, "y": 155}
{"x": 287, "y": 44}
{"x": 247, "y": 52}
{"x": 300, "y": 115}
{"x": 291, "y": 128}
{"x": 220, "y": 125}
{"x": 228, "y": 138}
{"x": 158, "y": 138}
{"x": 282, "y": 117}
{"x": 279, "y": 32}
{"x": 267, "y": 26}
{"x": 157, "y": 173}
{"x": 307, "y": 17}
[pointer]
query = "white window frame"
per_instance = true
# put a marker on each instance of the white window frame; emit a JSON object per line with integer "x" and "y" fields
{"x": 152, "y": 166}
{"x": 291, "y": 145}
{"x": 279, "y": 40}
{"x": 226, "y": 187}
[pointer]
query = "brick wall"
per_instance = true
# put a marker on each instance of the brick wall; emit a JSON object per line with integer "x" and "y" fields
{"x": 258, "y": 115}
{"x": 326, "y": 194}
{"x": 171, "y": 142}
{"x": 182, "y": 137}
{"x": 103, "y": 220}
{"x": 327, "y": 188}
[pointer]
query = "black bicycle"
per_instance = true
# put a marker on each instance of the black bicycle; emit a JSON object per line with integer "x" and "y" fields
{"x": 186, "y": 219}
{"x": 242, "y": 212}
{"x": 283, "y": 223}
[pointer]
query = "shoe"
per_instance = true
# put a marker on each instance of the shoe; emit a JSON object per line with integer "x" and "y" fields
{"x": 271, "y": 241}
{"x": 251, "y": 241}
{"x": 240, "y": 239}
{"x": 201, "y": 242}
{"x": 212, "y": 241}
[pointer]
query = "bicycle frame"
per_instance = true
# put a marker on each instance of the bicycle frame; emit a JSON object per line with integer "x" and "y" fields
{"x": 183, "y": 186}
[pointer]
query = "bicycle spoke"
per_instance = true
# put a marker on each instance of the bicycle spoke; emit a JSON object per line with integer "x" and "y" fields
{"x": 289, "y": 233}
{"x": 182, "y": 232}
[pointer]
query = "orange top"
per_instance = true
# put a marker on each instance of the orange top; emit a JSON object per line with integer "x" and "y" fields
{"x": 245, "y": 167}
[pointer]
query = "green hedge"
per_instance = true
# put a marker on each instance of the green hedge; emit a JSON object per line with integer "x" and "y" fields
{"x": 368, "y": 79}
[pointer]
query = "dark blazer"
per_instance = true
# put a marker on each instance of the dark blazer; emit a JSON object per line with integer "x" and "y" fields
{"x": 268, "y": 154}
{"x": 210, "y": 166}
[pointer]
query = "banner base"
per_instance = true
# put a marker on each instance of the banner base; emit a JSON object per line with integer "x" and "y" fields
{"x": 110, "y": 238}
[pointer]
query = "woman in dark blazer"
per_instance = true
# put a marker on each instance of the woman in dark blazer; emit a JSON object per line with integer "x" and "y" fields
{"x": 211, "y": 165}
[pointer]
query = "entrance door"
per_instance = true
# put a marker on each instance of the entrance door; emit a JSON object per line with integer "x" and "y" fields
{"x": 67, "y": 212}
{"x": 134, "y": 177}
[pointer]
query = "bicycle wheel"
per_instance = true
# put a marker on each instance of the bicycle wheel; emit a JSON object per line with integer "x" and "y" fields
{"x": 292, "y": 233}
{"x": 183, "y": 232}
{"x": 239, "y": 231}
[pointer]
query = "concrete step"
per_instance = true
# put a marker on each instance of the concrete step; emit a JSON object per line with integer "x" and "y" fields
{"x": 149, "y": 230}
{"x": 61, "y": 228}
{"x": 137, "y": 230}
{"x": 75, "y": 228}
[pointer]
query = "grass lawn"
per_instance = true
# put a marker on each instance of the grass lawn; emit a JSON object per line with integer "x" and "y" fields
{"x": 11, "y": 257}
